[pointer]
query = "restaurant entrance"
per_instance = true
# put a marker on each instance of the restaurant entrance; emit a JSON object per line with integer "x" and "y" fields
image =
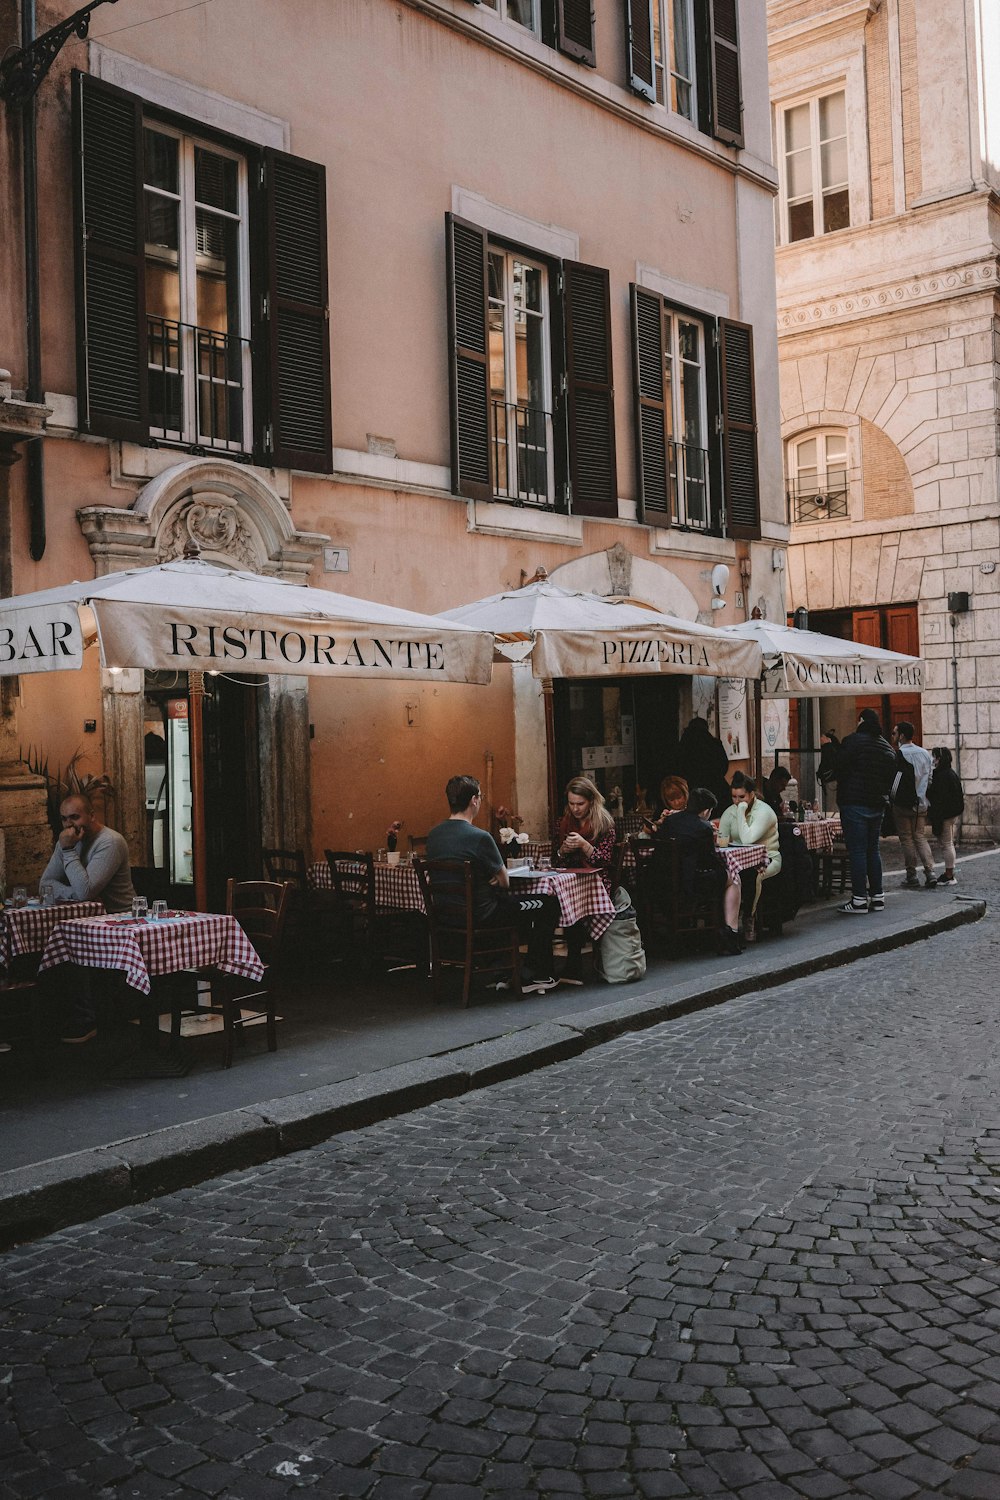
{"x": 232, "y": 784}
{"x": 623, "y": 735}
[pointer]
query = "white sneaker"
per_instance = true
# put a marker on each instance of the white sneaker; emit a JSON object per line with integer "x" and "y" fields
{"x": 537, "y": 986}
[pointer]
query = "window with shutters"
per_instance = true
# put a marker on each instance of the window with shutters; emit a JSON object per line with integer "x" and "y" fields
{"x": 519, "y": 12}
{"x": 197, "y": 297}
{"x": 201, "y": 280}
{"x": 521, "y": 463}
{"x": 813, "y": 174}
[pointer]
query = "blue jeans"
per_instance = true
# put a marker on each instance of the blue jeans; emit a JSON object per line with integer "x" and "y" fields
{"x": 862, "y": 826}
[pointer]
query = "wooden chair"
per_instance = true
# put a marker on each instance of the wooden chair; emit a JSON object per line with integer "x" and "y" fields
{"x": 261, "y": 908}
{"x": 831, "y": 864}
{"x": 21, "y": 1015}
{"x": 353, "y": 880}
{"x": 286, "y": 865}
{"x": 617, "y": 863}
{"x": 666, "y": 905}
{"x": 448, "y": 888}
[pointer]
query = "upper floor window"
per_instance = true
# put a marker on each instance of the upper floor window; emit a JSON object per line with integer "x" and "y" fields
{"x": 673, "y": 56}
{"x": 520, "y": 378}
{"x": 695, "y": 419}
{"x": 201, "y": 264}
{"x": 530, "y": 376}
{"x": 197, "y": 302}
{"x": 813, "y": 167}
{"x": 817, "y": 476}
{"x": 521, "y": 12}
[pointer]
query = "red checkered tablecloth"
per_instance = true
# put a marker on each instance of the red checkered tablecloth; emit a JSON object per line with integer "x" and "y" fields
{"x": 396, "y": 886}
{"x": 743, "y": 857}
{"x": 582, "y": 896}
{"x": 190, "y": 940}
{"x": 26, "y": 929}
{"x": 821, "y": 835}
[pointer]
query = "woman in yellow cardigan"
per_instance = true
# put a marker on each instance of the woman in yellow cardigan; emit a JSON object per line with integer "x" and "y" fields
{"x": 751, "y": 821}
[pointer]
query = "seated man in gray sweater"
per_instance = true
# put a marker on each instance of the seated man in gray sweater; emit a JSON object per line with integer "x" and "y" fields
{"x": 89, "y": 863}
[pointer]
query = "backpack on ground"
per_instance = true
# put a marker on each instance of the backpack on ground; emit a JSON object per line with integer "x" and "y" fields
{"x": 618, "y": 955}
{"x": 903, "y": 793}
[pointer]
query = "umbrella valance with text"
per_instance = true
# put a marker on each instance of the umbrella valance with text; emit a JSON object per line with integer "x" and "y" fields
{"x": 569, "y": 633}
{"x": 193, "y": 616}
{"x": 808, "y": 664}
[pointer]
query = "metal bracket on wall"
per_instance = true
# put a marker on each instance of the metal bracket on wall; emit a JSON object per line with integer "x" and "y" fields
{"x": 23, "y": 70}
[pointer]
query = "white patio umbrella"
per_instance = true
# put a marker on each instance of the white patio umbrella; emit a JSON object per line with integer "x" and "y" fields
{"x": 808, "y": 664}
{"x": 569, "y": 633}
{"x": 191, "y": 616}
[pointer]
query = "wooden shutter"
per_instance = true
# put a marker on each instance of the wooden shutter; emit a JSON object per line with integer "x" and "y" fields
{"x": 652, "y": 419}
{"x": 727, "y": 103}
{"x": 739, "y": 429}
{"x": 639, "y": 34}
{"x": 468, "y": 359}
{"x": 297, "y": 322}
{"x": 574, "y": 29}
{"x": 110, "y": 261}
{"x": 590, "y": 390}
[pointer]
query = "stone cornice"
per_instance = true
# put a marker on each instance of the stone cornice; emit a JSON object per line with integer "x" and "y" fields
{"x": 913, "y": 291}
{"x": 840, "y": 19}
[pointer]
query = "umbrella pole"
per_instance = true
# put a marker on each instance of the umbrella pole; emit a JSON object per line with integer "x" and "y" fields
{"x": 548, "y": 698}
{"x": 757, "y": 766}
{"x": 196, "y": 698}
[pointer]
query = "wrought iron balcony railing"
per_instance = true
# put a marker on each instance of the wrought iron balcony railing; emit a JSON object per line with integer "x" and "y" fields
{"x": 522, "y": 471}
{"x": 198, "y": 382}
{"x": 813, "y": 500}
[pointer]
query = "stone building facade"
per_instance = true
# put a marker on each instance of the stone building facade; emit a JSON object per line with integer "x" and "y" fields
{"x": 887, "y": 142}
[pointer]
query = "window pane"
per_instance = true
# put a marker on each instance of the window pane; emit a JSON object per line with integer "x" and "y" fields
{"x": 832, "y": 116}
{"x": 160, "y": 152}
{"x": 692, "y": 431}
{"x": 689, "y": 343}
{"x": 805, "y": 455}
{"x": 215, "y": 180}
{"x": 527, "y": 287}
{"x": 530, "y": 364}
{"x": 498, "y": 384}
{"x": 521, "y": 12}
{"x": 836, "y": 211}
{"x": 836, "y": 448}
{"x": 834, "y": 159}
{"x": 668, "y": 393}
{"x": 496, "y": 275}
{"x": 163, "y": 298}
{"x": 800, "y": 221}
{"x": 798, "y": 175}
{"x": 797, "y": 128}
{"x": 217, "y": 260}
{"x": 161, "y": 224}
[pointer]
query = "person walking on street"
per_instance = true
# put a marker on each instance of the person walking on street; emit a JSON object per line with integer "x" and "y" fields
{"x": 864, "y": 773}
{"x": 946, "y": 803}
{"x": 911, "y": 821}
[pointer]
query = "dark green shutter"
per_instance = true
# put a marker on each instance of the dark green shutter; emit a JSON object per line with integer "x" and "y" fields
{"x": 112, "y": 383}
{"x": 739, "y": 429}
{"x": 727, "y": 103}
{"x": 590, "y": 390}
{"x": 297, "y": 319}
{"x": 574, "y": 27}
{"x": 652, "y": 443}
{"x": 639, "y": 35}
{"x": 468, "y": 359}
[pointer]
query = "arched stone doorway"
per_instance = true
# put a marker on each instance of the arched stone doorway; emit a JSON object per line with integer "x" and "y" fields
{"x": 239, "y": 521}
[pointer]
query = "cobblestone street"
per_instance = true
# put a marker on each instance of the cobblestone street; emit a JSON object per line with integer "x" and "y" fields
{"x": 753, "y": 1252}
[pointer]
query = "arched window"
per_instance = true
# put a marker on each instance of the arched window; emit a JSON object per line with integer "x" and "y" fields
{"x": 817, "y": 476}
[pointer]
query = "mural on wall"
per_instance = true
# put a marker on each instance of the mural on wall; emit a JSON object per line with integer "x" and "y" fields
{"x": 774, "y": 726}
{"x": 733, "y": 717}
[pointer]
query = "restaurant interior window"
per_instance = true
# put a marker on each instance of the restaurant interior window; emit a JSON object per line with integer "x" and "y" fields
{"x": 197, "y": 303}
{"x": 520, "y": 383}
{"x": 673, "y": 56}
{"x": 817, "y": 476}
{"x": 813, "y": 159}
{"x": 520, "y": 12}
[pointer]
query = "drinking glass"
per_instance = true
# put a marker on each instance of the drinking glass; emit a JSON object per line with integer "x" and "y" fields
{"x": 380, "y": 856}
{"x": 140, "y": 908}
{"x": 159, "y": 910}
{"x": 20, "y": 894}
{"x": 47, "y": 891}
{"x": 545, "y": 862}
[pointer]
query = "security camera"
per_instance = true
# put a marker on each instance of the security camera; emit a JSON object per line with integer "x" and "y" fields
{"x": 720, "y": 582}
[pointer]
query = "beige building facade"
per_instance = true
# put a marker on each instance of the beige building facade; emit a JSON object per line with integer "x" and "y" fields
{"x": 887, "y": 144}
{"x": 405, "y": 298}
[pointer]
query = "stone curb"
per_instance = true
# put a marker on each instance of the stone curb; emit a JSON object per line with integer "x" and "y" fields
{"x": 45, "y": 1196}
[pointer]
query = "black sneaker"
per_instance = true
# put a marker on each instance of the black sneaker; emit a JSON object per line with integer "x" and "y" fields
{"x": 947, "y": 880}
{"x": 929, "y": 882}
{"x": 911, "y": 883}
{"x": 854, "y": 908}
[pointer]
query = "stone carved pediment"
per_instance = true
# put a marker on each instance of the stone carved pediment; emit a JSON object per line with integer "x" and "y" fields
{"x": 216, "y": 528}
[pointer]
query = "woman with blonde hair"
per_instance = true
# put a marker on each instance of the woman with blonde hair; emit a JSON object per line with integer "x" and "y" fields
{"x": 585, "y": 839}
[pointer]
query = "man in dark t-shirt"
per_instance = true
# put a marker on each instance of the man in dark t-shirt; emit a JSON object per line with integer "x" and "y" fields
{"x": 535, "y": 916}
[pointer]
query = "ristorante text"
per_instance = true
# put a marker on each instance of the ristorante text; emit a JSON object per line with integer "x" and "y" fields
{"x": 296, "y": 648}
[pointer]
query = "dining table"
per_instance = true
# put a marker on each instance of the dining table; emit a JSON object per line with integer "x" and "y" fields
{"x": 582, "y": 896}
{"x": 25, "y": 930}
{"x": 820, "y": 834}
{"x": 144, "y": 948}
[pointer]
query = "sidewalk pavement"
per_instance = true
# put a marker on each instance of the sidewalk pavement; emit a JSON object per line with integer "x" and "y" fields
{"x": 353, "y": 1051}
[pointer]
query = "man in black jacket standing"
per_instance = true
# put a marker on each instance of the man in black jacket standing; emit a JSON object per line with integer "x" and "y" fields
{"x": 865, "y": 769}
